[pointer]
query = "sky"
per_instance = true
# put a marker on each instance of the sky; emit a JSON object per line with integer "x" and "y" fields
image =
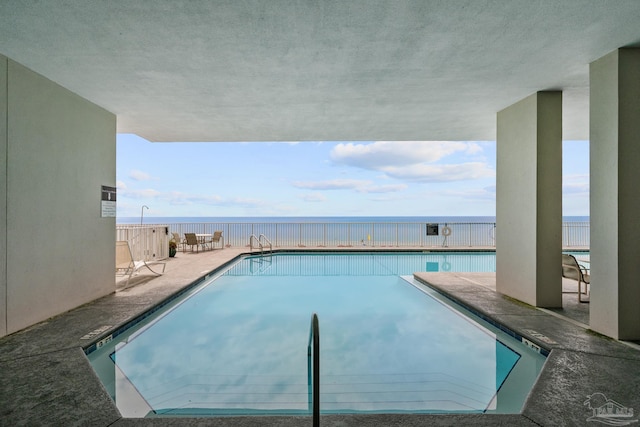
{"x": 376, "y": 178}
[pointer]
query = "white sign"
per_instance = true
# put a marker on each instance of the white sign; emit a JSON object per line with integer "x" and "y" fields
{"x": 108, "y": 201}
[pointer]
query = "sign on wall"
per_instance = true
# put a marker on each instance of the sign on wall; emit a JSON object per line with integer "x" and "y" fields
{"x": 108, "y": 201}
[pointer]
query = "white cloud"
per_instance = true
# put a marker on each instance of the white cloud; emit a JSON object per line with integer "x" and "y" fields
{"x": 179, "y": 198}
{"x": 142, "y": 194}
{"x": 575, "y": 189}
{"x": 245, "y": 202}
{"x": 270, "y": 142}
{"x": 394, "y": 198}
{"x": 120, "y": 185}
{"x": 441, "y": 173}
{"x": 487, "y": 193}
{"x": 575, "y": 184}
{"x": 361, "y": 186}
{"x": 383, "y": 188}
{"x": 176, "y": 198}
{"x": 334, "y": 184}
{"x": 137, "y": 175}
{"x": 314, "y": 197}
{"x": 414, "y": 161}
{"x": 380, "y": 154}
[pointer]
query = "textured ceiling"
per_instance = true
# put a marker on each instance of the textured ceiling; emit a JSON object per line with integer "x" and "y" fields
{"x": 285, "y": 70}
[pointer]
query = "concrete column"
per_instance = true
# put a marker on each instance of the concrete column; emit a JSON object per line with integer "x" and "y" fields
{"x": 615, "y": 202}
{"x": 57, "y": 150}
{"x": 529, "y": 200}
{"x": 3, "y": 195}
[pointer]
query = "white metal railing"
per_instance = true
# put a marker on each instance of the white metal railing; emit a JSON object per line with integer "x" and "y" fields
{"x": 147, "y": 242}
{"x": 576, "y": 234}
{"x": 346, "y": 234}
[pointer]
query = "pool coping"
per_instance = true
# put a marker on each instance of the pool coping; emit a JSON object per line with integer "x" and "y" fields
{"x": 45, "y": 379}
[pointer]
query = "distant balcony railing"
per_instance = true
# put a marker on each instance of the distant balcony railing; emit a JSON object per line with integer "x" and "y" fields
{"x": 152, "y": 241}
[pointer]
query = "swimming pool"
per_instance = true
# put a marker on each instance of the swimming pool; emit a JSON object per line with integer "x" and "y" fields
{"x": 237, "y": 343}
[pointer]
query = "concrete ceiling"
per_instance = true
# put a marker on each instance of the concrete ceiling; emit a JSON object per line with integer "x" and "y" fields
{"x": 287, "y": 70}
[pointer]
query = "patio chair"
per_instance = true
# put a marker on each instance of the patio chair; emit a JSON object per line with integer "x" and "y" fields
{"x": 192, "y": 240}
{"x": 126, "y": 265}
{"x": 572, "y": 270}
{"x": 179, "y": 241}
{"x": 216, "y": 238}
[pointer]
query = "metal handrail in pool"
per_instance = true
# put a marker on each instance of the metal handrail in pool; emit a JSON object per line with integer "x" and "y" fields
{"x": 260, "y": 240}
{"x": 314, "y": 398}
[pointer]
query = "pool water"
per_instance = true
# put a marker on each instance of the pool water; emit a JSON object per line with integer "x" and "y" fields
{"x": 367, "y": 264}
{"x": 237, "y": 344}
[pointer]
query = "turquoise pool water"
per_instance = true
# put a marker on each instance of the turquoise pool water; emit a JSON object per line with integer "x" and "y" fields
{"x": 368, "y": 263}
{"x": 237, "y": 344}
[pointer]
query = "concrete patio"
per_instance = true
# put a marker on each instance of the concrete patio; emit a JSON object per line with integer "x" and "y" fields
{"x": 45, "y": 379}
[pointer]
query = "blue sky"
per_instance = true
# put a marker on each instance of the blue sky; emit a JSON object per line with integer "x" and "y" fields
{"x": 377, "y": 178}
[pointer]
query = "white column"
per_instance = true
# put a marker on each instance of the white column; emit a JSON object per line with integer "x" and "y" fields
{"x": 529, "y": 200}
{"x": 59, "y": 149}
{"x": 615, "y": 199}
{"x": 3, "y": 195}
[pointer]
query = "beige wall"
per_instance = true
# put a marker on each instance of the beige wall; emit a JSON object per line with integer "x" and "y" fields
{"x": 615, "y": 204}
{"x": 529, "y": 200}
{"x": 60, "y": 150}
{"x": 3, "y": 195}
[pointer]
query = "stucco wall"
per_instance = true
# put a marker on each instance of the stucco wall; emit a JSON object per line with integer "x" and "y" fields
{"x": 529, "y": 200}
{"x": 3, "y": 195}
{"x": 516, "y": 162}
{"x": 60, "y": 151}
{"x": 615, "y": 205}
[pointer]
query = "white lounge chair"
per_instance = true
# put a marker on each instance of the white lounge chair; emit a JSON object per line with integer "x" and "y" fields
{"x": 126, "y": 265}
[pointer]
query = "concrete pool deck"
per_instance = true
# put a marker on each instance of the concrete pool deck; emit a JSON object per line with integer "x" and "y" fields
{"x": 45, "y": 379}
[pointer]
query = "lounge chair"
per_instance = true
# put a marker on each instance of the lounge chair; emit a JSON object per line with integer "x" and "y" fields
{"x": 572, "y": 270}
{"x": 215, "y": 239}
{"x": 126, "y": 265}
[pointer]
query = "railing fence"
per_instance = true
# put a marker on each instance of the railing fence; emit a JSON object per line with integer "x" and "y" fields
{"x": 576, "y": 234}
{"x": 151, "y": 242}
{"x": 355, "y": 234}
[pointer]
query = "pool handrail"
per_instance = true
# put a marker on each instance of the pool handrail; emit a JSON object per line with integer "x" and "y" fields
{"x": 314, "y": 398}
{"x": 262, "y": 239}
